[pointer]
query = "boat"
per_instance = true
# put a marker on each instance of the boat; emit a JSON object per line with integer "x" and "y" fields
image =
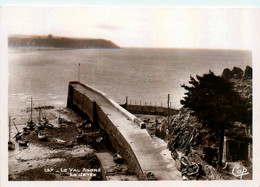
{"x": 42, "y": 136}
{"x": 118, "y": 158}
{"x": 11, "y": 145}
{"x": 88, "y": 125}
{"x": 48, "y": 125}
{"x": 22, "y": 142}
{"x": 85, "y": 124}
{"x": 26, "y": 131}
{"x": 41, "y": 121}
{"x": 59, "y": 141}
{"x": 18, "y": 135}
{"x": 150, "y": 176}
{"x": 62, "y": 120}
{"x": 99, "y": 139}
{"x": 40, "y": 126}
{"x": 93, "y": 133}
{"x": 80, "y": 135}
{"x": 46, "y": 121}
{"x": 30, "y": 123}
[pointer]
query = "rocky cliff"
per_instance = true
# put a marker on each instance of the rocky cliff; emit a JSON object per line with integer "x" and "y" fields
{"x": 188, "y": 137}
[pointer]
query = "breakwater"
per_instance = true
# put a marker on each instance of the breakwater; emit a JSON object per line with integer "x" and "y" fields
{"x": 151, "y": 110}
{"x": 124, "y": 131}
{"x": 86, "y": 105}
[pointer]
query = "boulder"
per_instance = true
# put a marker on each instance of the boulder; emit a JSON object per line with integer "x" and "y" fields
{"x": 248, "y": 72}
{"x": 227, "y": 73}
{"x": 237, "y": 73}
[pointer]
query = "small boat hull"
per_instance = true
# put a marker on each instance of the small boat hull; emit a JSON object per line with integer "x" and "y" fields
{"x": 99, "y": 139}
{"x": 22, "y": 142}
{"x": 40, "y": 126}
{"x": 118, "y": 158}
{"x": 80, "y": 136}
{"x": 18, "y": 136}
{"x": 88, "y": 125}
{"x": 42, "y": 136}
{"x": 26, "y": 131}
{"x": 11, "y": 146}
{"x": 30, "y": 125}
{"x": 49, "y": 126}
{"x": 59, "y": 141}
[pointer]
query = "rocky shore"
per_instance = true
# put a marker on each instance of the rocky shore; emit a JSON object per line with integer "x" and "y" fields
{"x": 191, "y": 144}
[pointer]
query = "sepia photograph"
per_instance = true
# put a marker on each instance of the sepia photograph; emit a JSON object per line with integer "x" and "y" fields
{"x": 130, "y": 94}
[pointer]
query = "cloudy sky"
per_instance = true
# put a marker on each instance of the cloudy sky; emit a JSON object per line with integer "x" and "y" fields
{"x": 142, "y": 27}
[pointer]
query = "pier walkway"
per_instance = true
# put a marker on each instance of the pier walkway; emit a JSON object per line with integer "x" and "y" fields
{"x": 152, "y": 157}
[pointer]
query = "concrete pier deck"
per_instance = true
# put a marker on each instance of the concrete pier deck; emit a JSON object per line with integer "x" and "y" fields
{"x": 149, "y": 154}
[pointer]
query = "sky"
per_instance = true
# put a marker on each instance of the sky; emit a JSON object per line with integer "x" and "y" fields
{"x": 141, "y": 27}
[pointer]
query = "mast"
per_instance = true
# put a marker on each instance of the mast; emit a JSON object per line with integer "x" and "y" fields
{"x": 168, "y": 115}
{"x": 79, "y": 72}
{"x": 31, "y": 109}
{"x": 16, "y": 127}
{"x": 39, "y": 119}
{"x": 59, "y": 113}
{"x": 9, "y": 127}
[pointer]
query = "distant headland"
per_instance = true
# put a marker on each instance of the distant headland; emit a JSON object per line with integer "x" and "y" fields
{"x": 58, "y": 42}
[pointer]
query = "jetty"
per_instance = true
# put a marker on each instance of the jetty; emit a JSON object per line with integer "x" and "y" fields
{"x": 136, "y": 146}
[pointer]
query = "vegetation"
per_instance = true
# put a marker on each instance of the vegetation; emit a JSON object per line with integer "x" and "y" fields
{"x": 216, "y": 105}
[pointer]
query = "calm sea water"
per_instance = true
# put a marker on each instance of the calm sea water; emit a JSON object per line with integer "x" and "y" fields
{"x": 146, "y": 75}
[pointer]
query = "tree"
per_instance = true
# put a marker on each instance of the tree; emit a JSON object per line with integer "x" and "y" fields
{"x": 216, "y": 105}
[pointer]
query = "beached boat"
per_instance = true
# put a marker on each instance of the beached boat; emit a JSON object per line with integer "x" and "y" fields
{"x": 11, "y": 145}
{"x": 26, "y": 131}
{"x": 22, "y": 142}
{"x": 41, "y": 121}
{"x": 150, "y": 176}
{"x": 30, "y": 123}
{"x": 88, "y": 125}
{"x": 93, "y": 134}
{"x": 118, "y": 158}
{"x": 48, "y": 125}
{"x": 80, "y": 135}
{"x": 99, "y": 139}
{"x": 18, "y": 135}
{"x": 46, "y": 121}
{"x": 62, "y": 120}
{"x": 42, "y": 136}
{"x": 59, "y": 141}
{"x": 85, "y": 124}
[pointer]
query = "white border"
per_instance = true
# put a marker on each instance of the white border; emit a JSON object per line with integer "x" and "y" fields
{"x": 190, "y": 3}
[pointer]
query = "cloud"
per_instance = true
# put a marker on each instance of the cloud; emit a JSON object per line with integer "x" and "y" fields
{"x": 109, "y": 27}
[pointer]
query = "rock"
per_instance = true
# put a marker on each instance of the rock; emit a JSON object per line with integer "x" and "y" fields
{"x": 237, "y": 73}
{"x": 226, "y": 73}
{"x": 248, "y": 72}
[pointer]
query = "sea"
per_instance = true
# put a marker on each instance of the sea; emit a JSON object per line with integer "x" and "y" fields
{"x": 145, "y": 76}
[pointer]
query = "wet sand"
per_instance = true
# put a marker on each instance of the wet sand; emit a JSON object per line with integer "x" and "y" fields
{"x": 47, "y": 160}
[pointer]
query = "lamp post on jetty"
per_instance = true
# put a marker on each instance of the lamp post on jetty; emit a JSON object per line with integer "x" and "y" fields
{"x": 79, "y": 72}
